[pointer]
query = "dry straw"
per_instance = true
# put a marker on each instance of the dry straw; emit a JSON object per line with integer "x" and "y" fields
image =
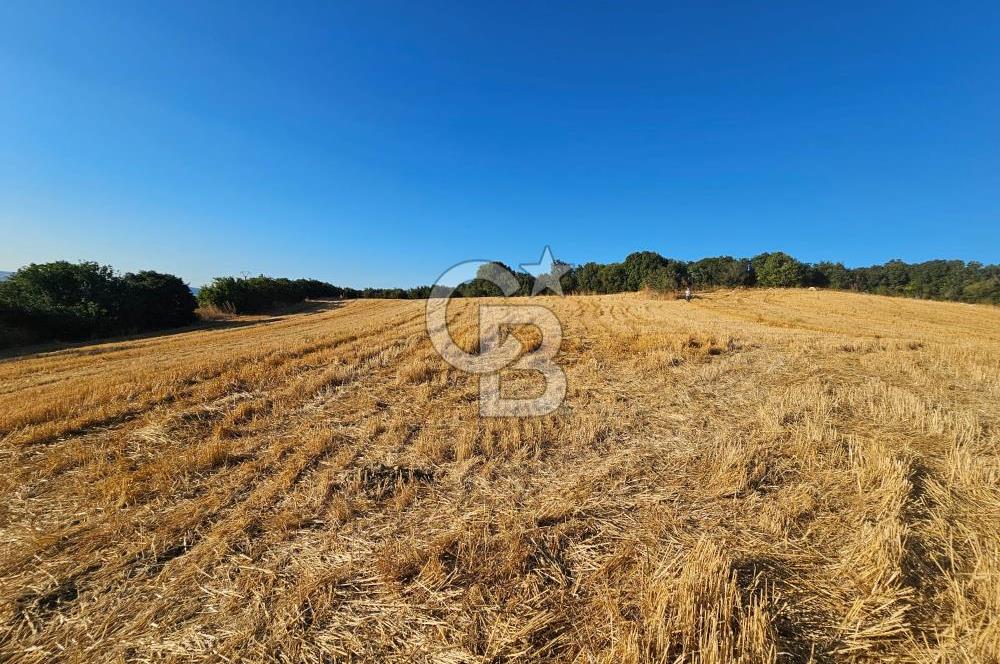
{"x": 765, "y": 476}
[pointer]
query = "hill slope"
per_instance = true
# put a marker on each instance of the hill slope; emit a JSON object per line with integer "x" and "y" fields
{"x": 770, "y": 475}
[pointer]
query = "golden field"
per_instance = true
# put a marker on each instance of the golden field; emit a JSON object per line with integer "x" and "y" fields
{"x": 755, "y": 476}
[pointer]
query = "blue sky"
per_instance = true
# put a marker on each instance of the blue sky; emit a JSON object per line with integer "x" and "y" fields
{"x": 376, "y": 143}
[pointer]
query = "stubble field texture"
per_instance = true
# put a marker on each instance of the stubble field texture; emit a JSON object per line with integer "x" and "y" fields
{"x": 755, "y": 476}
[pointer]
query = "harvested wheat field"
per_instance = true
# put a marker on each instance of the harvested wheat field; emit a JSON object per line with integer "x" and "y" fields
{"x": 764, "y": 476}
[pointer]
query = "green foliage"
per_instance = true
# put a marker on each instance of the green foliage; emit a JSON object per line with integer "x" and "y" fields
{"x": 639, "y": 266}
{"x": 832, "y": 275}
{"x": 313, "y": 289}
{"x": 670, "y": 277}
{"x": 662, "y": 280}
{"x": 384, "y": 293}
{"x": 721, "y": 271}
{"x": 984, "y": 290}
{"x": 568, "y": 281}
{"x": 59, "y": 300}
{"x": 254, "y": 295}
{"x": 418, "y": 293}
{"x": 483, "y": 285}
{"x": 779, "y": 270}
{"x": 937, "y": 279}
{"x": 73, "y": 301}
{"x": 151, "y": 301}
{"x": 587, "y": 278}
{"x": 940, "y": 279}
{"x": 613, "y": 278}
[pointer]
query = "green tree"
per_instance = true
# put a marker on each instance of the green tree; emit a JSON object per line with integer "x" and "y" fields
{"x": 613, "y": 278}
{"x": 984, "y": 291}
{"x": 721, "y": 271}
{"x": 568, "y": 281}
{"x": 779, "y": 270}
{"x": 588, "y": 278}
{"x": 483, "y": 285}
{"x": 73, "y": 301}
{"x": 151, "y": 301}
{"x": 833, "y": 275}
{"x": 638, "y": 266}
{"x": 62, "y": 300}
{"x": 668, "y": 278}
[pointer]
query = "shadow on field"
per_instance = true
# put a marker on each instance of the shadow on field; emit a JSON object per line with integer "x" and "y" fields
{"x": 108, "y": 344}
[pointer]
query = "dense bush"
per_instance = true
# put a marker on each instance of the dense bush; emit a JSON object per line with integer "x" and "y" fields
{"x": 721, "y": 271}
{"x": 74, "y": 301}
{"x": 251, "y": 295}
{"x": 779, "y": 270}
{"x": 670, "y": 277}
{"x": 60, "y": 300}
{"x": 638, "y": 267}
{"x": 254, "y": 295}
{"x": 587, "y": 278}
{"x": 151, "y": 301}
{"x": 832, "y": 275}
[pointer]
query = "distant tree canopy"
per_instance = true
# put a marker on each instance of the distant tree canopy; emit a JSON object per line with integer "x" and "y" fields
{"x": 946, "y": 280}
{"x": 252, "y": 295}
{"x": 779, "y": 270}
{"x": 939, "y": 279}
{"x": 721, "y": 271}
{"x": 484, "y": 283}
{"x": 73, "y": 301}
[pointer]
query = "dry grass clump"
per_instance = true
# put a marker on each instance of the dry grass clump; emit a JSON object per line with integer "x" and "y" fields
{"x": 212, "y": 312}
{"x": 754, "y": 476}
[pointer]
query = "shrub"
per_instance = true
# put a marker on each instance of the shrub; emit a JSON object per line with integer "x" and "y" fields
{"x": 667, "y": 278}
{"x": 779, "y": 270}
{"x": 61, "y": 300}
{"x": 612, "y": 278}
{"x": 639, "y": 266}
{"x": 254, "y": 295}
{"x": 153, "y": 301}
{"x": 587, "y": 278}
{"x": 73, "y": 301}
{"x": 986, "y": 291}
{"x": 721, "y": 271}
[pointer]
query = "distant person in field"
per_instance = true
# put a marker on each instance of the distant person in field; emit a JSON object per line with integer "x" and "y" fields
{"x": 687, "y": 294}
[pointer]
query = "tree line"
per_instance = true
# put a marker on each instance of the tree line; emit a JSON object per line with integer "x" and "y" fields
{"x": 74, "y": 301}
{"x": 937, "y": 279}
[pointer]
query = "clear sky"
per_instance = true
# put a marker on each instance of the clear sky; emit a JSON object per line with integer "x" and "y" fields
{"x": 371, "y": 143}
